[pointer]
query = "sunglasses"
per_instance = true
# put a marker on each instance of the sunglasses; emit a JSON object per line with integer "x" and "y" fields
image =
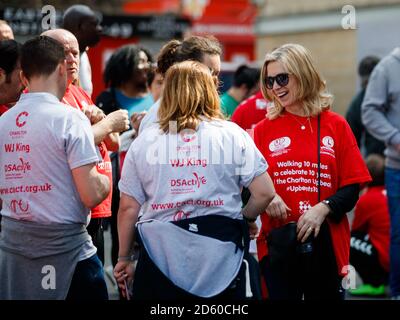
{"x": 282, "y": 79}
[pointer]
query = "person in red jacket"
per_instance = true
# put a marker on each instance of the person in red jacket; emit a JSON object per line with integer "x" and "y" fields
{"x": 370, "y": 236}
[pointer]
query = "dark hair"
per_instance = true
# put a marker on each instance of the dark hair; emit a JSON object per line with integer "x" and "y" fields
{"x": 10, "y": 53}
{"x": 247, "y": 76}
{"x": 193, "y": 48}
{"x": 366, "y": 65}
{"x": 122, "y": 64}
{"x": 376, "y": 167}
{"x": 41, "y": 56}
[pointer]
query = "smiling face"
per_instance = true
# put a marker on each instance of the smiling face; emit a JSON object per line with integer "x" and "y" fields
{"x": 286, "y": 95}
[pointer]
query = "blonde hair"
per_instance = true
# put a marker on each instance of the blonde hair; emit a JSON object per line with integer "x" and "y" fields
{"x": 311, "y": 93}
{"x": 189, "y": 96}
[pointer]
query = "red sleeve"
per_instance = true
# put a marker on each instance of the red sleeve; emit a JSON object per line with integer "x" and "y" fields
{"x": 351, "y": 166}
{"x": 237, "y": 117}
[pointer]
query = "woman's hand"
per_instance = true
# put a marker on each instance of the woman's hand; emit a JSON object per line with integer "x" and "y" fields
{"x": 253, "y": 230}
{"x": 123, "y": 273}
{"x": 278, "y": 209}
{"x": 311, "y": 221}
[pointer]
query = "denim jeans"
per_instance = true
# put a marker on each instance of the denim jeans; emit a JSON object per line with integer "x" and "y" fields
{"x": 88, "y": 281}
{"x": 392, "y": 180}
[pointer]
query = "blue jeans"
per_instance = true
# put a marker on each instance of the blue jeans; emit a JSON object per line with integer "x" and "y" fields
{"x": 392, "y": 180}
{"x": 88, "y": 281}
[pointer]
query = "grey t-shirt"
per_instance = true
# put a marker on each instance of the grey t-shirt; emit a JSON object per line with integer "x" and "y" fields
{"x": 193, "y": 173}
{"x": 41, "y": 141}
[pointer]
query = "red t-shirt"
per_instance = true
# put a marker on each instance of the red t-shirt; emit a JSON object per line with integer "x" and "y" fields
{"x": 3, "y": 108}
{"x": 78, "y": 98}
{"x": 250, "y": 112}
{"x": 371, "y": 215}
{"x": 291, "y": 153}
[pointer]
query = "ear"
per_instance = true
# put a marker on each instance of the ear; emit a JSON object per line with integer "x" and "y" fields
{"x": 2, "y": 76}
{"x": 23, "y": 79}
{"x": 62, "y": 68}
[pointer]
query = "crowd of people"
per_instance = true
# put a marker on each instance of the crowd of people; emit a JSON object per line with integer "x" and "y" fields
{"x": 208, "y": 195}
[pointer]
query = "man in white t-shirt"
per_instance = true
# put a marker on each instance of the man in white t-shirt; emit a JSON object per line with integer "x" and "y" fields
{"x": 48, "y": 180}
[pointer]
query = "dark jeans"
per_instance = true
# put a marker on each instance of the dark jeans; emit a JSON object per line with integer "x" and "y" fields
{"x": 364, "y": 258}
{"x": 95, "y": 230}
{"x": 88, "y": 281}
{"x": 312, "y": 275}
{"x": 392, "y": 181}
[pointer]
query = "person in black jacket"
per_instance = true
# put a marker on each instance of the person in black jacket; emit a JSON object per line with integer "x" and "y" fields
{"x": 366, "y": 142}
{"x": 126, "y": 79}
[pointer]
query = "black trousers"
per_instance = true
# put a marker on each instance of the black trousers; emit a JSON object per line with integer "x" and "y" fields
{"x": 364, "y": 258}
{"x": 311, "y": 275}
{"x": 95, "y": 230}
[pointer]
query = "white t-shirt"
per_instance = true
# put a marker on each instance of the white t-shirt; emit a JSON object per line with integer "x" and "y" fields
{"x": 151, "y": 117}
{"x": 41, "y": 141}
{"x": 85, "y": 74}
{"x": 192, "y": 173}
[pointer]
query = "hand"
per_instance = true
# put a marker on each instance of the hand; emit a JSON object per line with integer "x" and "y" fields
{"x": 277, "y": 209}
{"x": 311, "y": 221}
{"x": 118, "y": 120}
{"x": 94, "y": 113}
{"x": 123, "y": 273}
{"x": 136, "y": 119}
{"x": 253, "y": 230}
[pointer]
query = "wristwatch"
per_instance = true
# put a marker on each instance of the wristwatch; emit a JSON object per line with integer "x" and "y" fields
{"x": 327, "y": 203}
{"x": 249, "y": 219}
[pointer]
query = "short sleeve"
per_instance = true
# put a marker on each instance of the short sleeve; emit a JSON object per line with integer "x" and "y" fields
{"x": 79, "y": 144}
{"x": 253, "y": 163}
{"x": 130, "y": 182}
{"x": 351, "y": 166}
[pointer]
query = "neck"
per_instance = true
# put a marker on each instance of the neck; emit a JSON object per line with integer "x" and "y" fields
{"x": 236, "y": 94}
{"x": 296, "y": 109}
{"x": 132, "y": 92}
{"x": 48, "y": 85}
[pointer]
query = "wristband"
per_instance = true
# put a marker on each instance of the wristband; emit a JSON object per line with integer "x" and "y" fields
{"x": 249, "y": 219}
{"x": 126, "y": 258}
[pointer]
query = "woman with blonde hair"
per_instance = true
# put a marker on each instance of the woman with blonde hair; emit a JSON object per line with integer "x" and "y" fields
{"x": 317, "y": 170}
{"x": 187, "y": 173}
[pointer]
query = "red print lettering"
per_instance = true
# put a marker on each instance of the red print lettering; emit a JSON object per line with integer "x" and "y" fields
{"x": 17, "y": 147}
{"x": 188, "y": 162}
{"x": 179, "y": 215}
{"x": 197, "y": 181}
{"x": 19, "y": 121}
{"x": 19, "y": 206}
{"x": 21, "y": 167}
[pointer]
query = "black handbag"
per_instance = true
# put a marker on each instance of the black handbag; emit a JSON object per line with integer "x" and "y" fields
{"x": 282, "y": 243}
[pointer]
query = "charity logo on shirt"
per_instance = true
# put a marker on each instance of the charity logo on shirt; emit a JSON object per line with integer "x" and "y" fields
{"x": 279, "y": 146}
{"x": 327, "y": 146}
{"x": 188, "y": 185}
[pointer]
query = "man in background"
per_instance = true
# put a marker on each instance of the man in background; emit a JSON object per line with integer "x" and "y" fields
{"x": 85, "y": 25}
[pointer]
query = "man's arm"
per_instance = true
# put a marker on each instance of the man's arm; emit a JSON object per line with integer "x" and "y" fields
{"x": 375, "y": 106}
{"x": 115, "y": 122}
{"x": 92, "y": 186}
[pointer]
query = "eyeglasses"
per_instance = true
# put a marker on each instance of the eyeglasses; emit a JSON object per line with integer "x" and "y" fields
{"x": 282, "y": 79}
